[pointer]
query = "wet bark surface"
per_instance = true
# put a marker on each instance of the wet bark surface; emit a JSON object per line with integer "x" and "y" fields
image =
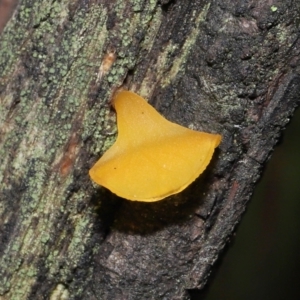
{"x": 228, "y": 67}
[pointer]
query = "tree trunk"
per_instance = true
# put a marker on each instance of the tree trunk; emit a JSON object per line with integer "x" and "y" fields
{"x": 228, "y": 67}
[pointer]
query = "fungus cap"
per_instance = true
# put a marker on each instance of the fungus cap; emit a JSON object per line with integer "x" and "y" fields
{"x": 152, "y": 157}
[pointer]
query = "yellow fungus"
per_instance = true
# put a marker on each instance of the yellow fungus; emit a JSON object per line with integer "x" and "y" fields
{"x": 152, "y": 157}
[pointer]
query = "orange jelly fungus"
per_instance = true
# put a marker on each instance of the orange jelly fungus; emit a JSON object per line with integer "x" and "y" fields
{"x": 152, "y": 157}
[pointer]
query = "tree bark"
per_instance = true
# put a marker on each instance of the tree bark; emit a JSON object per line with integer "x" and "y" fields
{"x": 228, "y": 67}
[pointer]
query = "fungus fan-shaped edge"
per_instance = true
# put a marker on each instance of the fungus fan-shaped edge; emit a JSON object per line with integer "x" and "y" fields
{"x": 152, "y": 157}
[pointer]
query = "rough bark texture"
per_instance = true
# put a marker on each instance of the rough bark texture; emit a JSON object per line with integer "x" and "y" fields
{"x": 223, "y": 66}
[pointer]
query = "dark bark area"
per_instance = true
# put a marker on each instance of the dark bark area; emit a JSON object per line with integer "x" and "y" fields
{"x": 228, "y": 67}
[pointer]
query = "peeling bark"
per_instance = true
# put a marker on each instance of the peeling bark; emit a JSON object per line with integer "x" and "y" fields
{"x": 228, "y": 67}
